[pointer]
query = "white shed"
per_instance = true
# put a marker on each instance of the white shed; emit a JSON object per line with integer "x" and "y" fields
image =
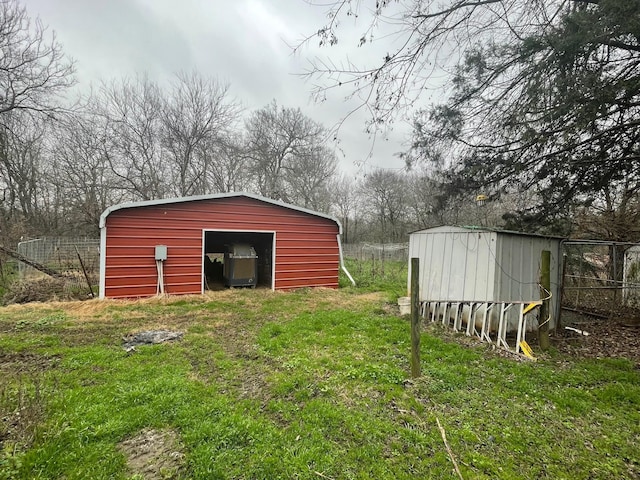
{"x": 483, "y": 265}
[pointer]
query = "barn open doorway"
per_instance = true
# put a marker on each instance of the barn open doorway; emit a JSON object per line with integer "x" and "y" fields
{"x": 216, "y": 242}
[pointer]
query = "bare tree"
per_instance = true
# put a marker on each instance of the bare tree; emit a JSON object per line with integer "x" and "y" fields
{"x": 309, "y": 176}
{"x": 33, "y": 76}
{"x": 385, "y": 194}
{"x": 28, "y": 198}
{"x": 344, "y": 195}
{"x": 424, "y": 202}
{"x": 196, "y": 115}
{"x": 278, "y": 139}
{"x": 230, "y": 172}
{"x": 428, "y": 39}
{"x": 20, "y": 148}
{"x": 81, "y": 171}
{"x": 132, "y": 110}
{"x": 33, "y": 70}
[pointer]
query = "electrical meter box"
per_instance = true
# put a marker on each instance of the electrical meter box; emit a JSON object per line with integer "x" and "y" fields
{"x": 161, "y": 252}
{"x": 240, "y": 266}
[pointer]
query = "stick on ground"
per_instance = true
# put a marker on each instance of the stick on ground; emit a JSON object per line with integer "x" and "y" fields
{"x": 446, "y": 444}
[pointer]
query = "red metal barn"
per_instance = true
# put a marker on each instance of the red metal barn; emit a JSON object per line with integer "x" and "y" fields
{"x": 159, "y": 245}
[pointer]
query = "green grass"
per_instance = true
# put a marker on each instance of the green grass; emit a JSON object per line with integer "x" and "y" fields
{"x": 387, "y": 276}
{"x": 309, "y": 384}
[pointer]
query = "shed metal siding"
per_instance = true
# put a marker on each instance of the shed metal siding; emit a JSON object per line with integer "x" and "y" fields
{"x": 454, "y": 264}
{"x": 519, "y": 264}
{"x": 306, "y": 250}
{"x": 463, "y": 264}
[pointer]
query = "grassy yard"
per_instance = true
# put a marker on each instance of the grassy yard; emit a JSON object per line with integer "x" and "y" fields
{"x": 304, "y": 385}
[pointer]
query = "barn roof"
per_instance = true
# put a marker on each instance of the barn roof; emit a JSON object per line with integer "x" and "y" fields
{"x": 166, "y": 201}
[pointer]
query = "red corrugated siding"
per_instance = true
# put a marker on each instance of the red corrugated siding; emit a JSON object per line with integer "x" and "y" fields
{"x": 307, "y": 252}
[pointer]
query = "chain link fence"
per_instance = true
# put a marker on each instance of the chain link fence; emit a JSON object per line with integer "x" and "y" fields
{"x": 601, "y": 277}
{"x": 78, "y": 259}
{"x": 397, "y": 252}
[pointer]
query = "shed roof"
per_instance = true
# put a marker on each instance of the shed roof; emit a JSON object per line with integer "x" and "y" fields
{"x": 166, "y": 201}
{"x": 453, "y": 228}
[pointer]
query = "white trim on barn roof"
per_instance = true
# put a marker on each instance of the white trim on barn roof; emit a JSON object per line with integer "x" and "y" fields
{"x": 166, "y": 201}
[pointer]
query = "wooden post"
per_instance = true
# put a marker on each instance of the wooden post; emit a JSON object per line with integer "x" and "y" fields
{"x": 545, "y": 310}
{"x": 84, "y": 270}
{"x": 415, "y": 319}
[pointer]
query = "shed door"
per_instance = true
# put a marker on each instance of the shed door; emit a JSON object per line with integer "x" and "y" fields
{"x": 214, "y": 245}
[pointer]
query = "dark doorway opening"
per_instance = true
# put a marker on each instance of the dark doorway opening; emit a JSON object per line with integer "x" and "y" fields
{"x": 215, "y": 244}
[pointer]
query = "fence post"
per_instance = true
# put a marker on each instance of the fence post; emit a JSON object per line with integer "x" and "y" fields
{"x": 84, "y": 270}
{"x": 545, "y": 287}
{"x": 415, "y": 319}
{"x": 558, "y": 322}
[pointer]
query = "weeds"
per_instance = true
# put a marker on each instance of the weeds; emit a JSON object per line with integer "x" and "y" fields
{"x": 41, "y": 290}
{"x": 22, "y": 409}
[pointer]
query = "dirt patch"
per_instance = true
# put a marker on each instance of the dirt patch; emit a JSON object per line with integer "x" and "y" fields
{"x": 25, "y": 362}
{"x": 616, "y": 338}
{"x": 154, "y": 454}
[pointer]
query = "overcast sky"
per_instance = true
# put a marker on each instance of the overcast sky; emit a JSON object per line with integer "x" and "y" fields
{"x": 242, "y": 42}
